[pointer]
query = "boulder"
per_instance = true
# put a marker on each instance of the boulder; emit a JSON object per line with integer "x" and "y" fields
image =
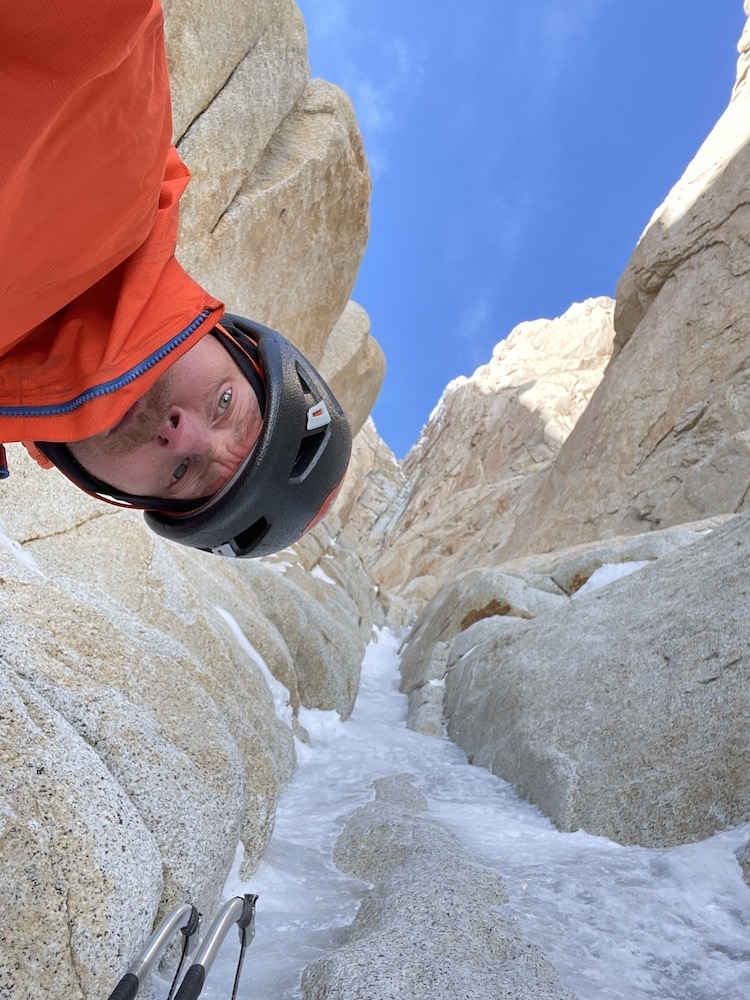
{"x": 320, "y": 625}
{"x": 469, "y": 598}
{"x": 431, "y": 927}
{"x": 622, "y": 712}
{"x": 516, "y": 592}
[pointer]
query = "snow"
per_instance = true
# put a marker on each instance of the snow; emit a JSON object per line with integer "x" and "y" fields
{"x": 19, "y": 552}
{"x": 320, "y": 574}
{"x": 279, "y": 566}
{"x": 608, "y": 573}
{"x": 618, "y": 923}
{"x": 279, "y": 693}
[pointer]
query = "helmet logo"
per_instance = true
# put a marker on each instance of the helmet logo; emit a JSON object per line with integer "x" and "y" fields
{"x": 318, "y": 416}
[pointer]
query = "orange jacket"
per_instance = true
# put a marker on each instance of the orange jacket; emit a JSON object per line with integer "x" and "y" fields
{"x": 93, "y": 305}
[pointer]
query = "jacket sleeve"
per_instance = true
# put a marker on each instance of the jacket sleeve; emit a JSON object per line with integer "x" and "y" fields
{"x": 93, "y": 304}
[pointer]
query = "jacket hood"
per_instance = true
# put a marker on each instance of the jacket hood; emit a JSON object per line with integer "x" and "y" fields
{"x": 93, "y": 304}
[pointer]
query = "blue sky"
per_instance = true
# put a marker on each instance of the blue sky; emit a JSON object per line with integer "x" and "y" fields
{"x": 518, "y": 149}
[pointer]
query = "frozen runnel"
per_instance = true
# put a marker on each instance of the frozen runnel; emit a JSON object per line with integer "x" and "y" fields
{"x": 616, "y": 922}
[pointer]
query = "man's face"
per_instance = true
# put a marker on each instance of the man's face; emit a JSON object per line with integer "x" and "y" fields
{"x": 183, "y": 438}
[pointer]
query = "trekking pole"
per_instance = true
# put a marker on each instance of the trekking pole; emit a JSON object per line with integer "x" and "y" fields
{"x": 185, "y": 918}
{"x": 238, "y": 910}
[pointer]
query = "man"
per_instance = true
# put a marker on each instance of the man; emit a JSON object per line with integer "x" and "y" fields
{"x": 115, "y": 365}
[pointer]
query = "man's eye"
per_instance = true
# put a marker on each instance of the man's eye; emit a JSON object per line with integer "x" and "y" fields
{"x": 224, "y": 400}
{"x": 180, "y": 471}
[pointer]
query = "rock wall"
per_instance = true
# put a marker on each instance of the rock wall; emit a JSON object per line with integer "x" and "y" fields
{"x": 666, "y": 437}
{"x": 275, "y": 219}
{"x": 149, "y": 693}
{"x": 492, "y": 437}
{"x": 145, "y": 729}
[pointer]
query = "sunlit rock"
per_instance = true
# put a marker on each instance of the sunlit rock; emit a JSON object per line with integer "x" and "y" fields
{"x": 286, "y": 250}
{"x": 73, "y": 900}
{"x": 207, "y": 40}
{"x": 480, "y": 457}
{"x": 163, "y": 667}
{"x": 275, "y": 219}
{"x": 666, "y": 437}
{"x": 353, "y": 364}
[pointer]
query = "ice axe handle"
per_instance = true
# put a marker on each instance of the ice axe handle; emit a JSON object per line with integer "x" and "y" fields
{"x": 126, "y": 989}
{"x": 192, "y": 984}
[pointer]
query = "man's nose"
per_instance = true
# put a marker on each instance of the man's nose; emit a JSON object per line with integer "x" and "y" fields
{"x": 183, "y": 432}
{"x": 187, "y": 434}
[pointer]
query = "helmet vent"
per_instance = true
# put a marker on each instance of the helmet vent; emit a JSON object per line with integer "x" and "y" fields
{"x": 250, "y": 536}
{"x": 305, "y": 385}
{"x": 309, "y": 449}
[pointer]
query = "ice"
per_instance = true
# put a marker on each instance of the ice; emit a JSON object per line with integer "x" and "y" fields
{"x": 320, "y": 574}
{"x": 618, "y": 923}
{"x": 279, "y": 693}
{"x": 608, "y": 573}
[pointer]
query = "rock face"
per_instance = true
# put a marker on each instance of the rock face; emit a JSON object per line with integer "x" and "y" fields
{"x": 144, "y": 729}
{"x": 479, "y": 459}
{"x": 666, "y": 437}
{"x": 431, "y": 927}
{"x": 275, "y": 218}
{"x": 622, "y": 711}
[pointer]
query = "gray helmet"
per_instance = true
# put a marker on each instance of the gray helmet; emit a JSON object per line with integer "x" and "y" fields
{"x": 286, "y": 483}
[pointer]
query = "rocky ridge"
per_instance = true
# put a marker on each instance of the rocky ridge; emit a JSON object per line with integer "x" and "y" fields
{"x": 492, "y": 436}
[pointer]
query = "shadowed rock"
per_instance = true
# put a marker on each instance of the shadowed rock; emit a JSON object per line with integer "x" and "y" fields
{"x": 624, "y": 712}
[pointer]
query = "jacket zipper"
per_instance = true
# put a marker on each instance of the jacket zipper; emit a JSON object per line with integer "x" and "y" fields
{"x": 56, "y": 409}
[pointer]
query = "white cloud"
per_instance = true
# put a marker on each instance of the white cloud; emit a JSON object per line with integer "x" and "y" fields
{"x": 551, "y": 38}
{"x": 379, "y": 72}
{"x": 476, "y": 318}
{"x": 325, "y": 19}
